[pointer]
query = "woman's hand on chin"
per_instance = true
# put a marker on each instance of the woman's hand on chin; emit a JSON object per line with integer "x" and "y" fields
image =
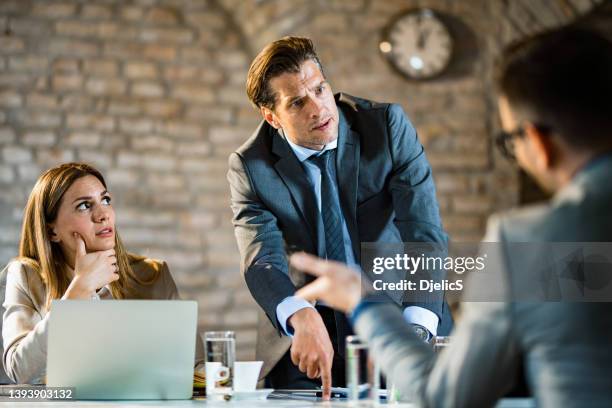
{"x": 91, "y": 271}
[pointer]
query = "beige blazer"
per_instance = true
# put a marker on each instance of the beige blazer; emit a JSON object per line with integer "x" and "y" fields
{"x": 25, "y": 322}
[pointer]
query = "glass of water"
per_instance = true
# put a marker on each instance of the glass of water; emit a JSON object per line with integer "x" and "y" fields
{"x": 220, "y": 356}
{"x": 362, "y": 374}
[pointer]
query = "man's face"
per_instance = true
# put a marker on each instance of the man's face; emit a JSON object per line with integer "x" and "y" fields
{"x": 305, "y": 107}
{"x": 527, "y": 155}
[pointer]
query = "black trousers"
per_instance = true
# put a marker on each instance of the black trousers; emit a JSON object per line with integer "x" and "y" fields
{"x": 286, "y": 375}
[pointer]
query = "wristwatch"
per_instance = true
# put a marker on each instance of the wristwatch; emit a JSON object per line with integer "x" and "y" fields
{"x": 422, "y": 332}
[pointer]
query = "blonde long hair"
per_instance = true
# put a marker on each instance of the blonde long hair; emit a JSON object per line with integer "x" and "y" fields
{"x": 45, "y": 256}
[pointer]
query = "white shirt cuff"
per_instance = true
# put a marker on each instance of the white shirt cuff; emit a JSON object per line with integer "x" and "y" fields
{"x": 286, "y": 308}
{"x": 422, "y": 316}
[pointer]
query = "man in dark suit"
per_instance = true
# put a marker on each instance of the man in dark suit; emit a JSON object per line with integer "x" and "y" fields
{"x": 322, "y": 174}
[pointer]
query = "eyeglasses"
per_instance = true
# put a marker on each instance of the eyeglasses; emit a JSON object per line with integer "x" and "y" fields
{"x": 505, "y": 142}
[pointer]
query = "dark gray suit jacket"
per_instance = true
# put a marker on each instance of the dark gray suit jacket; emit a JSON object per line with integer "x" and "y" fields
{"x": 386, "y": 191}
{"x": 564, "y": 346}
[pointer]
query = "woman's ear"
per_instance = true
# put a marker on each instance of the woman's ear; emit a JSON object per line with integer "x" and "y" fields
{"x": 53, "y": 237}
{"x": 542, "y": 147}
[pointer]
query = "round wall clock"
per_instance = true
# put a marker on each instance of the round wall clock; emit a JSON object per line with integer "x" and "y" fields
{"x": 418, "y": 44}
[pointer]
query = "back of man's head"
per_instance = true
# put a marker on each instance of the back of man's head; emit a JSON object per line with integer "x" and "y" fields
{"x": 562, "y": 81}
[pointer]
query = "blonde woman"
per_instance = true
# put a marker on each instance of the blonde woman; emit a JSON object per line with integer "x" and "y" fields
{"x": 69, "y": 249}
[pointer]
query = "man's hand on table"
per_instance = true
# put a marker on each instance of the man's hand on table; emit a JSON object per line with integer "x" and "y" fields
{"x": 337, "y": 285}
{"x": 311, "y": 349}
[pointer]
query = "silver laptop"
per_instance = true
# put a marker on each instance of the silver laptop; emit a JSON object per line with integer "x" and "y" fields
{"x": 122, "y": 349}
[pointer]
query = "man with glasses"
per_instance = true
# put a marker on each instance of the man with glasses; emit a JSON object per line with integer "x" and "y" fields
{"x": 555, "y": 109}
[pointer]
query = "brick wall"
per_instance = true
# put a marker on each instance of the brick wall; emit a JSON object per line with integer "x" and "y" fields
{"x": 152, "y": 93}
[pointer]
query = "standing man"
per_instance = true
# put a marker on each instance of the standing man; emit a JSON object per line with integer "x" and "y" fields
{"x": 322, "y": 174}
{"x": 557, "y": 119}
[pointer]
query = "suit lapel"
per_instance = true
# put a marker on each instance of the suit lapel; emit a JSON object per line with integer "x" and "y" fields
{"x": 291, "y": 172}
{"x": 347, "y": 170}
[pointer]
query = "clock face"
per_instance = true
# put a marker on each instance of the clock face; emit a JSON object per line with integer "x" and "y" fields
{"x": 418, "y": 45}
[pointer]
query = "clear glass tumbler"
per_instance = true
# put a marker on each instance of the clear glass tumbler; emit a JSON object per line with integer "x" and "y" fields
{"x": 220, "y": 356}
{"x": 362, "y": 374}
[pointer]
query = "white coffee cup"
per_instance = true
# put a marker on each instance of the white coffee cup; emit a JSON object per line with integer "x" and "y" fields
{"x": 246, "y": 374}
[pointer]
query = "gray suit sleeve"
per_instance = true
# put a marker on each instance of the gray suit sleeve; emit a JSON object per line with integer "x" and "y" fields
{"x": 479, "y": 366}
{"x": 474, "y": 371}
{"x": 411, "y": 183}
{"x": 414, "y": 198}
{"x": 260, "y": 242}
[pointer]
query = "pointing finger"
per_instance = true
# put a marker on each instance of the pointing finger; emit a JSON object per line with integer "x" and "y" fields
{"x": 325, "y": 370}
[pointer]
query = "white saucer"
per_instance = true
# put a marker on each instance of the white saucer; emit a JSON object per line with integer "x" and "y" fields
{"x": 251, "y": 395}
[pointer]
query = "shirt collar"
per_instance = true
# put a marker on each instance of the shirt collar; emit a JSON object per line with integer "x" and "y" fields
{"x": 303, "y": 153}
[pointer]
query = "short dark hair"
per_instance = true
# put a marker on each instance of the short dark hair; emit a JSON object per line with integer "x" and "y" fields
{"x": 278, "y": 57}
{"x": 562, "y": 80}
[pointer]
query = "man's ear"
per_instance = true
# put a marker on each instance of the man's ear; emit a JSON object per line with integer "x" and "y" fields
{"x": 269, "y": 117}
{"x": 545, "y": 154}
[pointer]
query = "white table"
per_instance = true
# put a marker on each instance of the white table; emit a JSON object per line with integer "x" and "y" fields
{"x": 505, "y": 403}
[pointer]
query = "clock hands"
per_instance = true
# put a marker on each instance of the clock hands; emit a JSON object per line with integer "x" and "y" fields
{"x": 422, "y": 38}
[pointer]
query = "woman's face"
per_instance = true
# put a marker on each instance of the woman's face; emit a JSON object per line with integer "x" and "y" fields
{"x": 85, "y": 209}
